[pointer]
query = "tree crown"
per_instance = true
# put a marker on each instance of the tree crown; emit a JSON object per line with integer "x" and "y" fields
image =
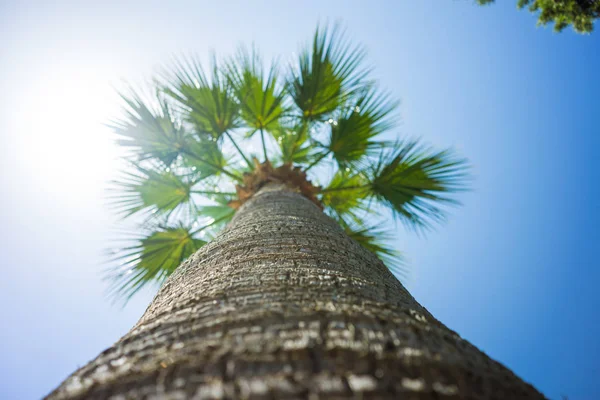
{"x": 581, "y": 14}
{"x": 204, "y": 143}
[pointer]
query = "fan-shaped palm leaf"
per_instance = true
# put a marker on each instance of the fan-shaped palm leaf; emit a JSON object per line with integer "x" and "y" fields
{"x": 261, "y": 97}
{"x": 294, "y": 144}
{"x": 205, "y": 158}
{"x": 153, "y": 257}
{"x": 209, "y": 105}
{"x": 344, "y": 195}
{"x": 155, "y": 190}
{"x": 415, "y": 181}
{"x": 326, "y": 74}
{"x": 358, "y": 123}
{"x": 152, "y": 132}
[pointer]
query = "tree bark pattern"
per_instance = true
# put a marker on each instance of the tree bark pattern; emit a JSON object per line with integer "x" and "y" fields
{"x": 283, "y": 304}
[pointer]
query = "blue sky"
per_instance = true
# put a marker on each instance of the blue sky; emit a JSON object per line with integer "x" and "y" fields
{"x": 514, "y": 270}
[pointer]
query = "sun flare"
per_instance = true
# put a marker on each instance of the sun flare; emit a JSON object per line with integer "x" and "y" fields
{"x": 61, "y": 139}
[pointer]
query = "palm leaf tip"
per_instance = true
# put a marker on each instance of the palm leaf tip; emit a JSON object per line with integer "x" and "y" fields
{"x": 417, "y": 183}
{"x": 216, "y": 216}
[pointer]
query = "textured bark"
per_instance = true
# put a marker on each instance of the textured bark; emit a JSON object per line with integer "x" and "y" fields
{"x": 283, "y": 304}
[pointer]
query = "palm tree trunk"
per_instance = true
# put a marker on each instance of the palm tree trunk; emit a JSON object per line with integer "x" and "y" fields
{"x": 284, "y": 304}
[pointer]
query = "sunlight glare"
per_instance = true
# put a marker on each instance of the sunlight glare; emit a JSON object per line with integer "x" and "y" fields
{"x": 61, "y": 138}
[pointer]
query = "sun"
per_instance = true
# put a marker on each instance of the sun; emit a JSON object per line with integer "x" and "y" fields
{"x": 60, "y": 137}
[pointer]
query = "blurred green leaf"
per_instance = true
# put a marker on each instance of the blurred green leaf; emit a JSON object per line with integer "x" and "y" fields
{"x": 353, "y": 131}
{"x": 374, "y": 240}
{"x": 294, "y": 144}
{"x": 153, "y": 257}
{"x": 345, "y": 193}
{"x": 151, "y": 131}
{"x": 326, "y": 74}
{"x": 159, "y": 191}
{"x": 218, "y": 215}
{"x": 204, "y": 157}
{"x": 260, "y": 96}
{"x": 209, "y": 105}
{"x": 414, "y": 181}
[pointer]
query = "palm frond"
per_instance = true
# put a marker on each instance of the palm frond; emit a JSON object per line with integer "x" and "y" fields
{"x": 216, "y": 216}
{"x": 353, "y": 131}
{"x": 152, "y": 132}
{"x": 347, "y": 202}
{"x": 152, "y": 257}
{"x": 376, "y": 241}
{"x": 204, "y": 157}
{"x": 261, "y": 96}
{"x": 294, "y": 144}
{"x": 416, "y": 182}
{"x": 326, "y": 74}
{"x": 208, "y": 104}
{"x": 155, "y": 190}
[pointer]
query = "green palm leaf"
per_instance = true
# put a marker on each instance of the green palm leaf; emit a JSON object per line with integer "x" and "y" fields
{"x": 294, "y": 144}
{"x": 157, "y": 191}
{"x": 415, "y": 182}
{"x": 353, "y": 131}
{"x": 216, "y": 216}
{"x": 208, "y": 104}
{"x": 205, "y": 158}
{"x": 344, "y": 195}
{"x": 260, "y": 96}
{"x": 326, "y": 75}
{"x": 152, "y": 258}
{"x": 152, "y": 132}
{"x": 374, "y": 240}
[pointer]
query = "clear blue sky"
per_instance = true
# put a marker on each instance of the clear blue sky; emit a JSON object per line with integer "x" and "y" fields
{"x": 514, "y": 271}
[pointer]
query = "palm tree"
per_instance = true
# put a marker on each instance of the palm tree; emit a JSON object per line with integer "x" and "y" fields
{"x": 291, "y": 298}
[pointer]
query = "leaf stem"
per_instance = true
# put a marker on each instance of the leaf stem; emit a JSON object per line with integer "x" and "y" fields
{"x": 317, "y": 160}
{"x": 216, "y": 221}
{"x": 262, "y": 138}
{"x": 299, "y": 134}
{"x": 213, "y": 192}
{"x": 239, "y": 150}
{"x": 338, "y": 189}
{"x": 218, "y": 168}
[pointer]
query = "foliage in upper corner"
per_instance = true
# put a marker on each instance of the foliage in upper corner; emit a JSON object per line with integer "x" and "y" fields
{"x": 581, "y": 14}
{"x": 206, "y": 142}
